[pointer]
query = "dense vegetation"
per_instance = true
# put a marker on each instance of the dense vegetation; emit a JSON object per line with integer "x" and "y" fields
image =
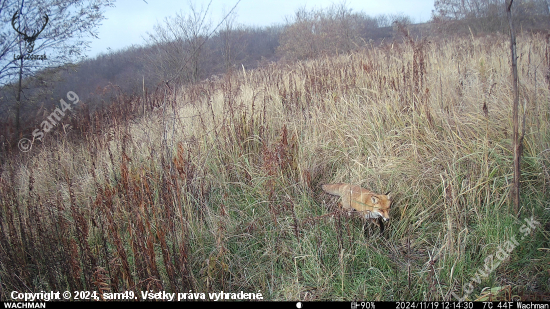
{"x": 215, "y": 185}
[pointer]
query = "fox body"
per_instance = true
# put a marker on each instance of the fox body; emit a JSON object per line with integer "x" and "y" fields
{"x": 371, "y": 205}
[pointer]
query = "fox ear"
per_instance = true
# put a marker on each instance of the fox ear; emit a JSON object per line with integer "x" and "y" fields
{"x": 374, "y": 199}
{"x": 388, "y": 195}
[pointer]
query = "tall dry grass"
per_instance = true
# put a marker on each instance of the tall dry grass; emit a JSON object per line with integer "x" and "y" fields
{"x": 216, "y": 186}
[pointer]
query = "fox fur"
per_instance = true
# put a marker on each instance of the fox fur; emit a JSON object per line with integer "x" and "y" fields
{"x": 375, "y": 207}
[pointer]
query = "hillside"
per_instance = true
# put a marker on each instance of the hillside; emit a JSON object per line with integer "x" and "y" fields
{"x": 216, "y": 186}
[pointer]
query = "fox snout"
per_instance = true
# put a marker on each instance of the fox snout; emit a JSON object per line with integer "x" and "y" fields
{"x": 385, "y": 218}
{"x": 377, "y": 215}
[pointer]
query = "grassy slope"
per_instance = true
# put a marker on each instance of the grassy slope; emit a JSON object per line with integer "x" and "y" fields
{"x": 221, "y": 190}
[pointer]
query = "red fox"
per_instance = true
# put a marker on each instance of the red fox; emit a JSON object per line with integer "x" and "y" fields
{"x": 371, "y": 205}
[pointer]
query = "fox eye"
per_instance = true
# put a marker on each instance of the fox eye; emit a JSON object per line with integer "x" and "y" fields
{"x": 374, "y": 200}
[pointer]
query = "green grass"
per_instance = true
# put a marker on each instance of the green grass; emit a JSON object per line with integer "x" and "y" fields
{"x": 221, "y": 191}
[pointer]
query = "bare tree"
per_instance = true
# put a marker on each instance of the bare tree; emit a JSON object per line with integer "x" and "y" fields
{"x": 400, "y": 18}
{"x": 318, "y": 31}
{"x": 489, "y": 15}
{"x": 180, "y": 43}
{"x": 336, "y": 29}
{"x": 517, "y": 140}
{"x": 300, "y": 40}
{"x": 40, "y": 34}
{"x": 383, "y": 20}
{"x": 229, "y": 47}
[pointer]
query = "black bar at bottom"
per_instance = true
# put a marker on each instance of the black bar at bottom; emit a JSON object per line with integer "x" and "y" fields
{"x": 288, "y": 305}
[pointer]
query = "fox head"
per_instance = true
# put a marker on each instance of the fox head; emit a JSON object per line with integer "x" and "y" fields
{"x": 381, "y": 204}
{"x": 370, "y": 204}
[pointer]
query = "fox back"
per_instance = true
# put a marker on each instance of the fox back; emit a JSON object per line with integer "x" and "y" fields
{"x": 370, "y": 204}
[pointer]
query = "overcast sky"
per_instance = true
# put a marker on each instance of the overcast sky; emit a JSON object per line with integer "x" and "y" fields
{"x": 128, "y": 22}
